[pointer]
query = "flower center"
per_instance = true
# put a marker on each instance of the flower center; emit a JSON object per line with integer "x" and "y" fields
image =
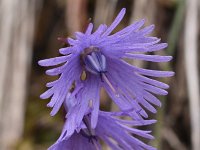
{"x": 89, "y": 133}
{"x": 94, "y": 60}
{"x": 95, "y": 63}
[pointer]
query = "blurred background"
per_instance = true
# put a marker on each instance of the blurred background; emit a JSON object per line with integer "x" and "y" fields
{"x": 28, "y": 32}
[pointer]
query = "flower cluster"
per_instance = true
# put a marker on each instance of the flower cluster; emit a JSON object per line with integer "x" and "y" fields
{"x": 95, "y": 60}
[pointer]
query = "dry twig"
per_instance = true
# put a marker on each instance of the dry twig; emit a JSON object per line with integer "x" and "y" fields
{"x": 172, "y": 139}
{"x": 191, "y": 47}
{"x": 16, "y": 33}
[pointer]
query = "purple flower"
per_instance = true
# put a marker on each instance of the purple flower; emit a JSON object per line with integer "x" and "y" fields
{"x": 117, "y": 133}
{"x": 95, "y": 60}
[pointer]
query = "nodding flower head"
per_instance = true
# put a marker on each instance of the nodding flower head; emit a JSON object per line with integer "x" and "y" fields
{"x": 115, "y": 132}
{"x": 95, "y": 60}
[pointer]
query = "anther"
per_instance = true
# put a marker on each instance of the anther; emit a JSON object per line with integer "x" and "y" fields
{"x": 83, "y": 76}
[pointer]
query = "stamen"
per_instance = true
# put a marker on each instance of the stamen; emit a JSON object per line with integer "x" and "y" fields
{"x": 109, "y": 84}
{"x": 94, "y": 141}
{"x": 87, "y": 123}
{"x": 83, "y": 76}
{"x": 89, "y": 133}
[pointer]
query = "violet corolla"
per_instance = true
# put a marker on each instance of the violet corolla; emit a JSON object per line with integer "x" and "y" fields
{"x": 95, "y": 60}
{"x": 117, "y": 133}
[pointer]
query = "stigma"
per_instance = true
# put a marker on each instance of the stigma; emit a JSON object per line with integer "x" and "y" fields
{"x": 94, "y": 60}
{"x": 95, "y": 63}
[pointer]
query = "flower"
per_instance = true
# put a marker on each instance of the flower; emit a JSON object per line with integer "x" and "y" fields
{"x": 117, "y": 133}
{"x": 96, "y": 60}
{"x": 113, "y": 131}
